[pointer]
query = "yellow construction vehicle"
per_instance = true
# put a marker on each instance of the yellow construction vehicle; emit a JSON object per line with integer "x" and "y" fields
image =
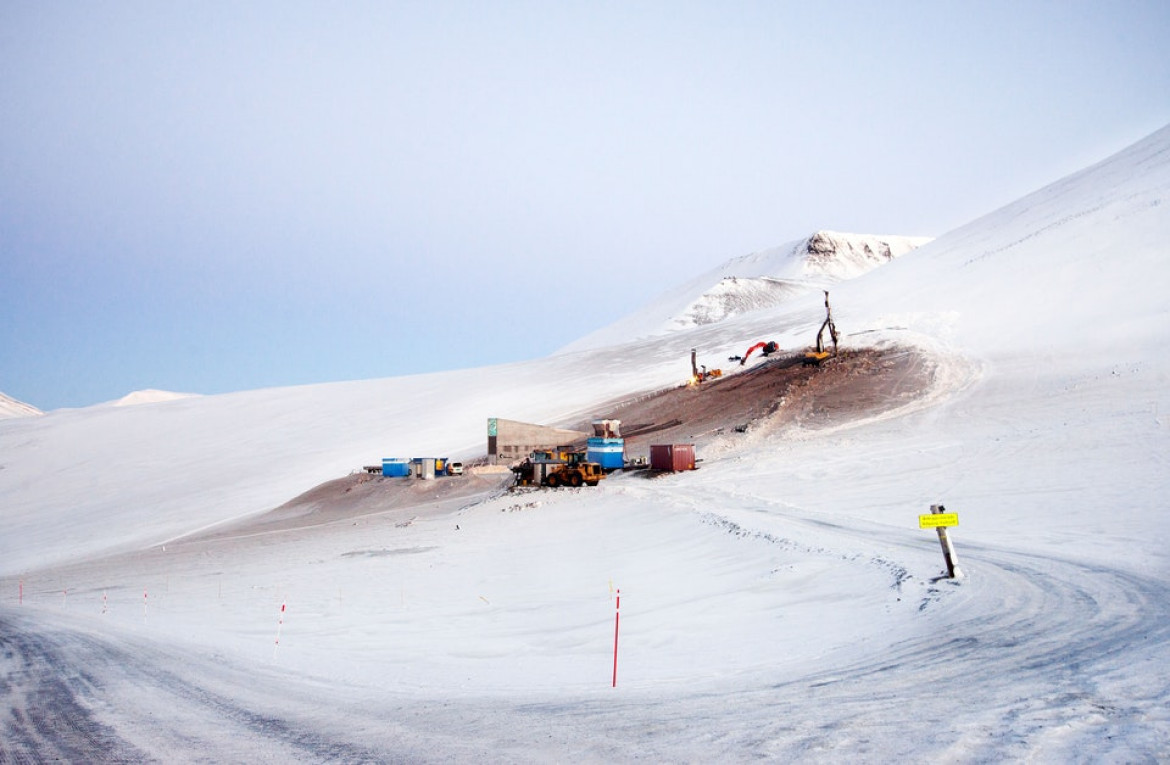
{"x": 558, "y": 467}
{"x": 699, "y": 375}
{"x": 819, "y": 354}
{"x": 575, "y": 474}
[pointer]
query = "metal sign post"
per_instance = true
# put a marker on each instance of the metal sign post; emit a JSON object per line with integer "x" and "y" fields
{"x": 938, "y": 520}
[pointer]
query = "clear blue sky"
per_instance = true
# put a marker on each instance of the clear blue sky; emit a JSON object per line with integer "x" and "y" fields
{"x": 207, "y": 197}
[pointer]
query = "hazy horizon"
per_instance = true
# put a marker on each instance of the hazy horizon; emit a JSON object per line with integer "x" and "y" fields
{"x": 214, "y": 198}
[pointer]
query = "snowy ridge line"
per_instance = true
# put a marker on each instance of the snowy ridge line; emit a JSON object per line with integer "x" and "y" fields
{"x": 11, "y": 408}
{"x": 755, "y": 282}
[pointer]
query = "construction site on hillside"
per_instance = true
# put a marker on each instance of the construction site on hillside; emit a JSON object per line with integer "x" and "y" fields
{"x": 661, "y": 431}
{"x": 649, "y": 434}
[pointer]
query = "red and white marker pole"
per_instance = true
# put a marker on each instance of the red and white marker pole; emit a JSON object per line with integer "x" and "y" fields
{"x": 279, "y": 624}
{"x": 617, "y": 615}
{"x": 144, "y": 604}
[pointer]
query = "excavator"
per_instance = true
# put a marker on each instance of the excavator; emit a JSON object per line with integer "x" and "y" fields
{"x": 815, "y": 357}
{"x": 698, "y": 376}
{"x": 766, "y": 349}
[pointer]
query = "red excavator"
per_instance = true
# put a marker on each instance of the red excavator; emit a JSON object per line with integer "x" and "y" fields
{"x": 767, "y": 349}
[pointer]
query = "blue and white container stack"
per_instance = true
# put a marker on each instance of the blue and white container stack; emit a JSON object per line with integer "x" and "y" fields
{"x": 610, "y": 453}
{"x": 607, "y": 447}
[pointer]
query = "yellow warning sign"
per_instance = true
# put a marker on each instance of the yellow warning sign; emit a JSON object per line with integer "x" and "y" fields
{"x": 934, "y": 520}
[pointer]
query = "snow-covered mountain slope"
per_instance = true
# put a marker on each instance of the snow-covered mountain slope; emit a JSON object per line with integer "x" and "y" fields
{"x": 10, "y": 408}
{"x": 755, "y": 281}
{"x": 150, "y": 396}
{"x": 1078, "y": 267}
{"x": 772, "y": 602}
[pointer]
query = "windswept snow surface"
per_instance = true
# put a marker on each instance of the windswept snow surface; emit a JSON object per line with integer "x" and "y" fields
{"x": 780, "y": 602}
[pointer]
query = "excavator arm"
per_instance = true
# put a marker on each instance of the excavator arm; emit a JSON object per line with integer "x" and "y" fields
{"x": 768, "y": 347}
{"x": 750, "y": 351}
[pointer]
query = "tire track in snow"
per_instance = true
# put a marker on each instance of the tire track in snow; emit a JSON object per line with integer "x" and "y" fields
{"x": 1029, "y": 655}
{"x": 48, "y": 715}
{"x": 1036, "y": 661}
{"x": 76, "y": 697}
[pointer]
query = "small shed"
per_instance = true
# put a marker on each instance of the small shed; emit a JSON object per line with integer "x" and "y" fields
{"x": 423, "y": 467}
{"x": 672, "y": 457}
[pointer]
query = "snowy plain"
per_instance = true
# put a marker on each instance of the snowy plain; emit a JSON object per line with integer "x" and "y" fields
{"x": 779, "y": 603}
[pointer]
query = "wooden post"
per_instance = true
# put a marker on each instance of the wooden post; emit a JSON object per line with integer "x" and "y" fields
{"x": 947, "y": 548}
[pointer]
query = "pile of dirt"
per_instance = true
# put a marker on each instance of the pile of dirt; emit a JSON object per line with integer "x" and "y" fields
{"x": 773, "y": 393}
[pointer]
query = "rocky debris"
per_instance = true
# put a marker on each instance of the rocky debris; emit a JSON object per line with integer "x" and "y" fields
{"x": 775, "y": 393}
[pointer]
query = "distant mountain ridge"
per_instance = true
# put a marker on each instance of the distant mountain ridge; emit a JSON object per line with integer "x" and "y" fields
{"x": 10, "y": 408}
{"x": 755, "y": 281}
{"x": 150, "y": 396}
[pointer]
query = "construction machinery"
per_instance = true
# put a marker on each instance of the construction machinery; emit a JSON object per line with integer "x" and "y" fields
{"x": 700, "y": 373}
{"x": 575, "y": 474}
{"x": 558, "y": 468}
{"x": 819, "y": 354}
{"x": 765, "y": 349}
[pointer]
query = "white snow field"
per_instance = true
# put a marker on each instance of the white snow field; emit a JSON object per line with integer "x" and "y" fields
{"x": 779, "y": 603}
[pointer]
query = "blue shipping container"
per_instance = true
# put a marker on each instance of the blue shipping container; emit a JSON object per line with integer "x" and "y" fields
{"x": 610, "y": 453}
{"x": 396, "y": 468}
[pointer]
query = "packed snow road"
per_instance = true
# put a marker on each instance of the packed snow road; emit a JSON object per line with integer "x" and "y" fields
{"x": 1028, "y": 657}
{"x": 46, "y": 720}
{"x": 1031, "y": 658}
{"x": 75, "y": 696}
